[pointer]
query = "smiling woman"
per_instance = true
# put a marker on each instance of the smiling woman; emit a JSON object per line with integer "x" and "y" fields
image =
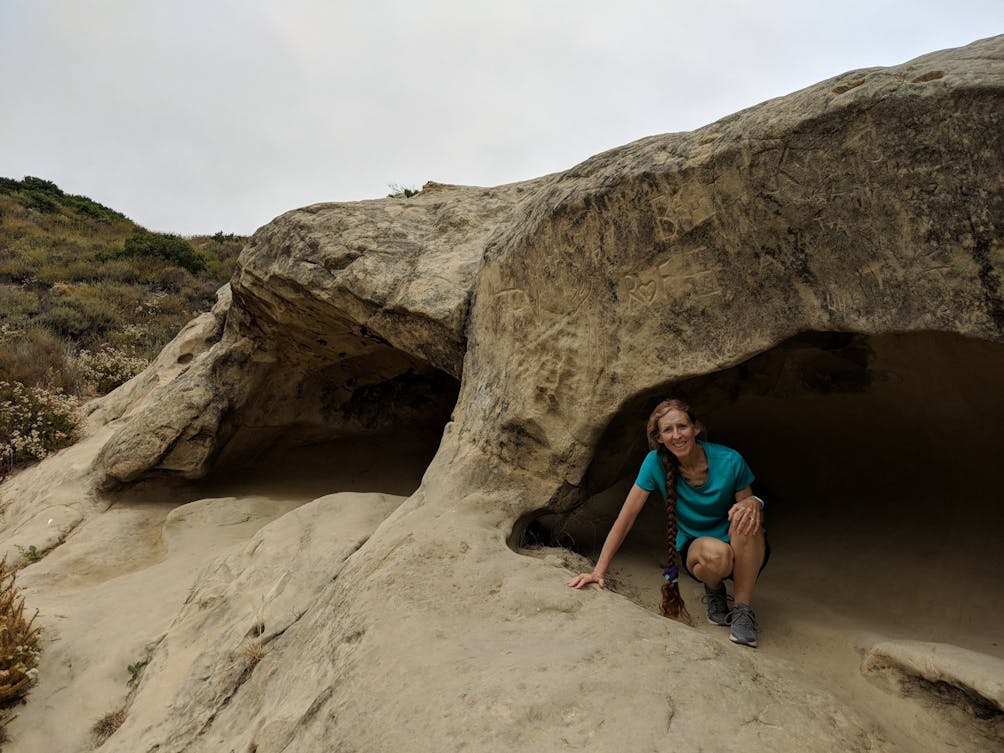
{"x": 714, "y": 523}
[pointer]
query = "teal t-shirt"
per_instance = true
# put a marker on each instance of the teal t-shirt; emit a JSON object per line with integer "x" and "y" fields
{"x": 701, "y": 510}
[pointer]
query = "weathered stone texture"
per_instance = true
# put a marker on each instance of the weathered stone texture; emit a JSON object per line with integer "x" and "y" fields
{"x": 870, "y": 203}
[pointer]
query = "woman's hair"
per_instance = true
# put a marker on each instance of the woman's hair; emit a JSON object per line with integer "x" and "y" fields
{"x": 672, "y": 602}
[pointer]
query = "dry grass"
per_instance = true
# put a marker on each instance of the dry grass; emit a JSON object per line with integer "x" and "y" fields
{"x": 18, "y": 639}
{"x": 18, "y": 645}
{"x": 107, "y": 725}
{"x": 6, "y": 717}
{"x": 248, "y": 655}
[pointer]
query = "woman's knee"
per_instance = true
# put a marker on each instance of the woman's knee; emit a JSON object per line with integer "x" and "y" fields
{"x": 744, "y": 545}
{"x": 739, "y": 541}
{"x": 714, "y": 557}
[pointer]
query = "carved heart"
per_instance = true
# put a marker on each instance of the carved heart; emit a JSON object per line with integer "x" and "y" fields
{"x": 647, "y": 291}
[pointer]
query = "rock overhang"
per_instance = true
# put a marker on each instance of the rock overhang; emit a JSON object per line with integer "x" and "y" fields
{"x": 862, "y": 209}
{"x": 664, "y": 259}
{"x": 548, "y": 360}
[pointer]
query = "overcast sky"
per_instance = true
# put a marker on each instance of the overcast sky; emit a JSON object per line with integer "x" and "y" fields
{"x": 193, "y": 116}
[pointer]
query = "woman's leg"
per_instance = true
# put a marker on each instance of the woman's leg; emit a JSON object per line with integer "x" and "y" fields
{"x": 747, "y": 557}
{"x": 710, "y": 560}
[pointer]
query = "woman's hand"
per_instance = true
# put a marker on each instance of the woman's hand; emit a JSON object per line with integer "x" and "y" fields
{"x": 585, "y": 579}
{"x": 746, "y": 516}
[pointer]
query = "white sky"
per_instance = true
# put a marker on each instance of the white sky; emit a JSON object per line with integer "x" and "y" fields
{"x": 193, "y": 116}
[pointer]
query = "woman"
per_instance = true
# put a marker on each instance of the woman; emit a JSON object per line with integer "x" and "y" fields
{"x": 713, "y": 520}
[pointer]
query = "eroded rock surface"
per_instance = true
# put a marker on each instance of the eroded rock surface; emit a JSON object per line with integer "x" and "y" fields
{"x": 870, "y": 203}
{"x": 950, "y": 679}
{"x": 975, "y": 675}
{"x": 345, "y": 319}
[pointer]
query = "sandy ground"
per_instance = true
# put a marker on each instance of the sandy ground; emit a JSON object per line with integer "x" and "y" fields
{"x": 113, "y": 588}
{"x": 116, "y": 584}
{"x": 823, "y": 603}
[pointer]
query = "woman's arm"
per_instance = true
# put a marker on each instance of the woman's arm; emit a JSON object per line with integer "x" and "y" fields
{"x": 746, "y": 514}
{"x": 629, "y": 513}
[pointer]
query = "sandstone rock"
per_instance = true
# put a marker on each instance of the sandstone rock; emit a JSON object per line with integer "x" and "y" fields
{"x": 225, "y": 635}
{"x": 177, "y": 357}
{"x": 809, "y": 232}
{"x": 977, "y": 676}
{"x": 951, "y": 679}
{"x": 344, "y": 316}
{"x": 108, "y": 596}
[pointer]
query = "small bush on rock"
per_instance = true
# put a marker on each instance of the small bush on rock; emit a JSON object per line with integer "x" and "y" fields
{"x": 107, "y": 726}
{"x": 18, "y": 643}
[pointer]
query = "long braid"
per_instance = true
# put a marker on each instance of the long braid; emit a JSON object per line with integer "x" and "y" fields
{"x": 672, "y": 601}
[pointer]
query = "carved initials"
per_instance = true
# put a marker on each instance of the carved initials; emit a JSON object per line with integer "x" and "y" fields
{"x": 678, "y": 278}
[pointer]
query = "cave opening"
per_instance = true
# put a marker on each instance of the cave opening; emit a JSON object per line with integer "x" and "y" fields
{"x": 366, "y": 420}
{"x": 370, "y": 423}
{"x": 879, "y": 459}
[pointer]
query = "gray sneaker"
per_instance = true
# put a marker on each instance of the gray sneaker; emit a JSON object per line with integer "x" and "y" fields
{"x": 744, "y": 625}
{"x": 718, "y": 605}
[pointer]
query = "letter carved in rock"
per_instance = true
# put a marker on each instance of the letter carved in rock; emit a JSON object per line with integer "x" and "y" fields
{"x": 640, "y": 290}
{"x": 681, "y": 279}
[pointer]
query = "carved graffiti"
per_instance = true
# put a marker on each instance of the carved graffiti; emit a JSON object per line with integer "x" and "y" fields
{"x": 682, "y": 278}
{"x": 516, "y": 299}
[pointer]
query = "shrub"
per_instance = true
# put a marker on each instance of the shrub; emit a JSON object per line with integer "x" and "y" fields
{"x": 107, "y": 726}
{"x": 34, "y": 421}
{"x": 90, "y": 208}
{"x": 40, "y": 185}
{"x": 399, "y": 191}
{"x": 18, "y": 640}
{"x": 18, "y": 305}
{"x": 161, "y": 304}
{"x": 119, "y": 300}
{"x": 172, "y": 278}
{"x": 109, "y": 367}
{"x": 42, "y": 202}
{"x": 221, "y": 251}
{"x": 170, "y": 248}
{"x": 47, "y": 197}
{"x": 52, "y": 273}
{"x": 83, "y": 270}
{"x": 78, "y": 317}
{"x": 36, "y": 357}
{"x": 20, "y": 268}
{"x": 65, "y": 320}
{"x": 226, "y": 270}
{"x": 203, "y": 295}
{"x": 135, "y": 339}
{"x": 120, "y": 270}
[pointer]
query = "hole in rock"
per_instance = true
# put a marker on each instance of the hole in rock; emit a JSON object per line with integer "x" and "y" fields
{"x": 376, "y": 429}
{"x": 368, "y": 422}
{"x": 363, "y": 424}
{"x": 879, "y": 458}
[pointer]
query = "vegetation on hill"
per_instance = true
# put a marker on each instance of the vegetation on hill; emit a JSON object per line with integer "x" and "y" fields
{"x": 87, "y": 298}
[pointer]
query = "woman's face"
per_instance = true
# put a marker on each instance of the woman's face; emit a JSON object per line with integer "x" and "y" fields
{"x": 677, "y": 434}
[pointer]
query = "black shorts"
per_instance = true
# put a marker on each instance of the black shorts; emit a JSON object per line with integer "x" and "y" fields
{"x": 686, "y": 547}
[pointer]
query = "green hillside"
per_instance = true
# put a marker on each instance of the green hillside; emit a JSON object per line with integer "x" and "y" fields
{"x": 87, "y": 296}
